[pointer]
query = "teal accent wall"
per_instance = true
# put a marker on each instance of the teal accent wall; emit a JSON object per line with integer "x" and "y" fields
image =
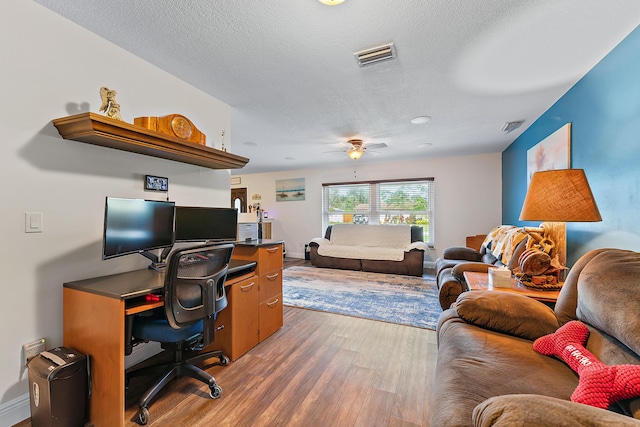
{"x": 604, "y": 111}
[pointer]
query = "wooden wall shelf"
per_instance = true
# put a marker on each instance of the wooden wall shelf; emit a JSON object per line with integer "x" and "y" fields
{"x": 95, "y": 129}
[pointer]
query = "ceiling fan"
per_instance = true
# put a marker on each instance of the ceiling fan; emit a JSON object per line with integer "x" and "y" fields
{"x": 358, "y": 147}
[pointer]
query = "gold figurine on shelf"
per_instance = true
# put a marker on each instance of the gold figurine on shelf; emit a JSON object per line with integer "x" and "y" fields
{"x": 109, "y": 105}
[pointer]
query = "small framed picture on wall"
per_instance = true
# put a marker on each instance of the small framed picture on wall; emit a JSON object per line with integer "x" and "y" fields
{"x": 156, "y": 183}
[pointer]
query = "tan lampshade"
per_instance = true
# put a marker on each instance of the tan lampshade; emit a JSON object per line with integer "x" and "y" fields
{"x": 560, "y": 195}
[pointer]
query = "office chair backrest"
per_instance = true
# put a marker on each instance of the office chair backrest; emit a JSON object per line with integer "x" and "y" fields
{"x": 194, "y": 283}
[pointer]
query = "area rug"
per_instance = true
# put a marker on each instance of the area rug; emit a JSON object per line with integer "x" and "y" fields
{"x": 394, "y": 298}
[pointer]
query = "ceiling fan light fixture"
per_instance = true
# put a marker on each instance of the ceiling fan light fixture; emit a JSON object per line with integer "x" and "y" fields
{"x": 331, "y": 2}
{"x": 355, "y": 153}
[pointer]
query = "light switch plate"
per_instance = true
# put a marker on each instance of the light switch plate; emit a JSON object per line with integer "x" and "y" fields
{"x": 33, "y": 222}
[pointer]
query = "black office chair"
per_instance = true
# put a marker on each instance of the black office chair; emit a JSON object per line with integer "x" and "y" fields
{"x": 193, "y": 295}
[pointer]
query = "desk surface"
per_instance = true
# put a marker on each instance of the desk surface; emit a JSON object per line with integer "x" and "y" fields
{"x": 136, "y": 283}
{"x": 480, "y": 281}
{"x": 258, "y": 242}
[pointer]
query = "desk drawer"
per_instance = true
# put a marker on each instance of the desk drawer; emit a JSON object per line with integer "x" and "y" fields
{"x": 270, "y": 316}
{"x": 269, "y": 259}
{"x": 270, "y": 285}
{"x": 239, "y": 320}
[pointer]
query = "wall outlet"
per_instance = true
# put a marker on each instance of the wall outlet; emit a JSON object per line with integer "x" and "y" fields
{"x": 32, "y": 349}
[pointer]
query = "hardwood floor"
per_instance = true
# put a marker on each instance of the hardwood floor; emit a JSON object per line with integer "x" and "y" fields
{"x": 319, "y": 369}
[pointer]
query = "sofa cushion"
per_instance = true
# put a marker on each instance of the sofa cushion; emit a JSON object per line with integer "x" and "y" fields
{"x": 511, "y": 314}
{"x": 387, "y": 236}
{"x": 361, "y": 252}
{"x": 605, "y": 299}
{"x": 526, "y": 410}
{"x": 475, "y": 364}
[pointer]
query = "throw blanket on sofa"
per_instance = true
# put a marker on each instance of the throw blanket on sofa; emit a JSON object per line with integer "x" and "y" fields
{"x": 372, "y": 242}
{"x": 503, "y": 240}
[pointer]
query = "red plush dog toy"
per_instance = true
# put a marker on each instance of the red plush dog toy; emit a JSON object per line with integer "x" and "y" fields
{"x": 599, "y": 385}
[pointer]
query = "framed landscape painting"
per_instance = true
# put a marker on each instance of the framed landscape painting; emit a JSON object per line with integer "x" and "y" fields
{"x": 553, "y": 152}
{"x": 289, "y": 190}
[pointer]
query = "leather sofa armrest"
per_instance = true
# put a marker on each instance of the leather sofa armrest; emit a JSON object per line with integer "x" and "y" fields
{"x": 462, "y": 253}
{"x": 510, "y": 314}
{"x": 459, "y": 269}
{"x": 519, "y": 410}
{"x": 319, "y": 241}
{"x": 419, "y": 245}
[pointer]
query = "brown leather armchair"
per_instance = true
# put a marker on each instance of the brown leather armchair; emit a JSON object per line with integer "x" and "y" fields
{"x": 507, "y": 241}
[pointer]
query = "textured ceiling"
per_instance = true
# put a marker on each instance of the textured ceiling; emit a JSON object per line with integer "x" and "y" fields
{"x": 288, "y": 71}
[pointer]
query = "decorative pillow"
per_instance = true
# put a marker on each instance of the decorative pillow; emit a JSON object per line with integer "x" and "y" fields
{"x": 507, "y": 313}
{"x": 599, "y": 385}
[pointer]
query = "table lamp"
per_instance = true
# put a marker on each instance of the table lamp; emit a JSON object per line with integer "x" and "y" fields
{"x": 556, "y": 197}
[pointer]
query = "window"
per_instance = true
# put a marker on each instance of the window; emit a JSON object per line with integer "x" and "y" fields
{"x": 381, "y": 202}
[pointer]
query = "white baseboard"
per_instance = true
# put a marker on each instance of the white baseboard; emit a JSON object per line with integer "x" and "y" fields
{"x": 299, "y": 255}
{"x": 15, "y": 411}
{"x": 430, "y": 265}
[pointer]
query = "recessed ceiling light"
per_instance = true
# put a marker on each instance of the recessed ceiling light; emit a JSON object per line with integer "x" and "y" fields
{"x": 331, "y": 2}
{"x": 420, "y": 120}
{"x": 250, "y": 144}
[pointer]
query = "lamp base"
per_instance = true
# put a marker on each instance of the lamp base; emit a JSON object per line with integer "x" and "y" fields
{"x": 557, "y": 232}
{"x": 553, "y": 236}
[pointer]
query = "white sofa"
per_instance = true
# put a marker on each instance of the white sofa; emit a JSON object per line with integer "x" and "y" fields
{"x": 397, "y": 249}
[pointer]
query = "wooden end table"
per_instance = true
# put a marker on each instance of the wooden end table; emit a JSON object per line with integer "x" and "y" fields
{"x": 477, "y": 281}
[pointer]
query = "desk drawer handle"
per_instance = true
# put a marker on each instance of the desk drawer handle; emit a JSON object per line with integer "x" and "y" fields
{"x": 219, "y": 328}
{"x": 247, "y": 288}
{"x": 272, "y": 250}
{"x": 271, "y": 304}
{"x": 273, "y": 276}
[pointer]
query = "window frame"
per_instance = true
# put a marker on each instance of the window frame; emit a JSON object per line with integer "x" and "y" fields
{"x": 372, "y": 208}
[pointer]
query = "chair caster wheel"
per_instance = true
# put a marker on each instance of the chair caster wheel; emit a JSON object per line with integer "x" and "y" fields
{"x": 224, "y": 360}
{"x": 215, "y": 391}
{"x": 142, "y": 417}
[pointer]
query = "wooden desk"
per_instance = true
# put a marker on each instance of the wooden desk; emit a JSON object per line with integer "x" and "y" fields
{"x": 480, "y": 281}
{"x": 268, "y": 256}
{"x": 94, "y": 316}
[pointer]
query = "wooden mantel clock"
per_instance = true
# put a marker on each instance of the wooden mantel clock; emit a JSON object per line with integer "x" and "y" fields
{"x": 174, "y": 125}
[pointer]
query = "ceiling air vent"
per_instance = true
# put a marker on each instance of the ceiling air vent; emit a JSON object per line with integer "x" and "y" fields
{"x": 511, "y": 126}
{"x": 376, "y": 54}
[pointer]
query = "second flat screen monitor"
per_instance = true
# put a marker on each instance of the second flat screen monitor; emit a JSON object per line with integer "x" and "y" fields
{"x": 205, "y": 224}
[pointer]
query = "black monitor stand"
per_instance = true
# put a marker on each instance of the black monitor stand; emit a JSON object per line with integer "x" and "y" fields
{"x": 156, "y": 263}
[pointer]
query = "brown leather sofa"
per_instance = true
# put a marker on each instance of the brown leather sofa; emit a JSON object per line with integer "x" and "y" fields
{"x": 450, "y": 267}
{"x": 488, "y": 374}
{"x": 412, "y": 262}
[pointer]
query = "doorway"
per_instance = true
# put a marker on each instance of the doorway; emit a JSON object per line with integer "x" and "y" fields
{"x": 239, "y": 199}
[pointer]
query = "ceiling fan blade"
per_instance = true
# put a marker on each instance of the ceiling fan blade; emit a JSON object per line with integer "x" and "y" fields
{"x": 376, "y": 146}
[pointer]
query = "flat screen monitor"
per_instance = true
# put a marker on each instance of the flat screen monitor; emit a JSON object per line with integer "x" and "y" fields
{"x": 206, "y": 224}
{"x": 136, "y": 226}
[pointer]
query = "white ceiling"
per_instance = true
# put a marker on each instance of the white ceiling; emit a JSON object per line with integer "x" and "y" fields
{"x": 287, "y": 67}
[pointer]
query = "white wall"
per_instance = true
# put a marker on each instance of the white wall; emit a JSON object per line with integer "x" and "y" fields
{"x": 468, "y": 196}
{"x": 53, "y": 68}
